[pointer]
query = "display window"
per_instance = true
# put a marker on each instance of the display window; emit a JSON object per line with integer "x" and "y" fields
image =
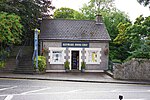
{"x": 93, "y": 56}
{"x": 56, "y": 56}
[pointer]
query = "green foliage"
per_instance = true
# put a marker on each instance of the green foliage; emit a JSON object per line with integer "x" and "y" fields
{"x": 88, "y": 11}
{"x": 66, "y": 65}
{"x": 122, "y": 37}
{"x": 67, "y": 13}
{"x": 41, "y": 63}
{"x": 116, "y": 61}
{"x": 142, "y": 50}
{"x": 2, "y": 64}
{"x": 83, "y": 65}
{"x": 28, "y": 10}
{"x": 4, "y": 54}
{"x": 112, "y": 20}
{"x": 10, "y": 28}
{"x": 137, "y": 36}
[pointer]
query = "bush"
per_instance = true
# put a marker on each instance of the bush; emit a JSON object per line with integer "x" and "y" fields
{"x": 66, "y": 65}
{"x": 83, "y": 65}
{"x": 41, "y": 63}
{"x": 141, "y": 52}
{"x": 2, "y": 64}
{"x": 116, "y": 61}
{"x": 3, "y": 56}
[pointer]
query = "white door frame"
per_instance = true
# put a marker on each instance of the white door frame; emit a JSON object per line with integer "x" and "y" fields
{"x": 80, "y": 55}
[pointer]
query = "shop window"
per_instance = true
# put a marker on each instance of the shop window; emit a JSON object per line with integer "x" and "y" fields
{"x": 93, "y": 56}
{"x": 56, "y": 56}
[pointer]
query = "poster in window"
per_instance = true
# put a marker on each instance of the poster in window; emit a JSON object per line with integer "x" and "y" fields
{"x": 92, "y": 56}
{"x": 57, "y": 56}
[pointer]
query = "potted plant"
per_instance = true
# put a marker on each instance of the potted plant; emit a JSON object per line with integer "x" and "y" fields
{"x": 66, "y": 65}
{"x": 83, "y": 66}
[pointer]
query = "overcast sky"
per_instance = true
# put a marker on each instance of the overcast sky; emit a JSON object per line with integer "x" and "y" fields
{"x": 130, "y": 7}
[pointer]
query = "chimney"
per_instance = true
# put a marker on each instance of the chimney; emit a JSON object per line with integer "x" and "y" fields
{"x": 99, "y": 19}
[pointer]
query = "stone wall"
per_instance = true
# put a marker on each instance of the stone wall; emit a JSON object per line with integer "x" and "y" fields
{"x": 138, "y": 69}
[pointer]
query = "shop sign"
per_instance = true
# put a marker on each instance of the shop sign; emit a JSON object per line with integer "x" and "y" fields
{"x": 75, "y": 44}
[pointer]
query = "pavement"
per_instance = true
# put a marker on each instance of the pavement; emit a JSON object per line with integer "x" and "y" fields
{"x": 100, "y": 77}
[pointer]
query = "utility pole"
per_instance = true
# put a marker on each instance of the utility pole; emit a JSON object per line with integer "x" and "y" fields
{"x": 36, "y": 47}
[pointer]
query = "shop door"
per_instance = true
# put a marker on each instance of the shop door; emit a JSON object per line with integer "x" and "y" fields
{"x": 75, "y": 60}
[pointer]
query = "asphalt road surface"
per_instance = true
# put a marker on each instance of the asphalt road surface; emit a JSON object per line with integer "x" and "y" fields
{"x": 14, "y": 89}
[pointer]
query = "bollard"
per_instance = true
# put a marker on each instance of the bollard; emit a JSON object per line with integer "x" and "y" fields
{"x": 120, "y": 97}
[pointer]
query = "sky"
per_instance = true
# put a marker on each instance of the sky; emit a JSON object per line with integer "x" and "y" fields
{"x": 131, "y": 7}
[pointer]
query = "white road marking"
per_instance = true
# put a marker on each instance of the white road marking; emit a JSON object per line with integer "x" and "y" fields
{"x": 8, "y": 88}
{"x": 32, "y": 92}
{"x": 114, "y": 90}
{"x": 9, "y": 97}
{"x": 35, "y": 91}
{"x": 85, "y": 92}
{"x": 74, "y": 91}
{"x": 117, "y": 91}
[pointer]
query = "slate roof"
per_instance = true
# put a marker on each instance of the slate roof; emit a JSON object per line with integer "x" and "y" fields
{"x": 73, "y": 30}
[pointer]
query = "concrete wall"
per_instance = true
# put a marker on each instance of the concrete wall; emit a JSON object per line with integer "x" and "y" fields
{"x": 97, "y": 44}
{"x": 138, "y": 69}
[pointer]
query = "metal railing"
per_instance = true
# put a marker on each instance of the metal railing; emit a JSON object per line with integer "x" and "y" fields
{"x": 111, "y": 66}
{"x": 33, "y": 58}
{"x": 20, "y": 52}
{"x": 28, "y": 42}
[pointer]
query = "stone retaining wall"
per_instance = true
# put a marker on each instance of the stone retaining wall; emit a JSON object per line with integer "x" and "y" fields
{"x": 138, "y": 69}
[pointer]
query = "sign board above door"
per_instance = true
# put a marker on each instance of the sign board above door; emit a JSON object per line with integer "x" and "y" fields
{"x": 76, "y": 44}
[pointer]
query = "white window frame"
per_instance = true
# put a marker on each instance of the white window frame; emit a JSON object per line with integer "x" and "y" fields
{"x": 98, "y": 50}
{"x": 51, "y": 49}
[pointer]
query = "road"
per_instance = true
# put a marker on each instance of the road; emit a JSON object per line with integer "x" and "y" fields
{"x": 14, "y": 89}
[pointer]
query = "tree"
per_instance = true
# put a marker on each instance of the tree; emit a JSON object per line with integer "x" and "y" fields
{"x": 137, "y": 35}
{"x": 10, "y": 33}
{"x": 28, "y": 10}
{"x": 144, "y": 2}
{"x": 103, "y": 5}
{"x": 45, "y": 7}
{"x": 68, "y": 13}
{"x": 10, "y": 29}
{"x": 111, "y": 17}
{"x": 95, "y": 7}
{"x": 112, "y": 20}
{"x": 64, "y": 13}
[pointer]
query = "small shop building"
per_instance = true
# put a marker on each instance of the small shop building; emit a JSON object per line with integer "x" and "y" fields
{"x": 75, "y": 41}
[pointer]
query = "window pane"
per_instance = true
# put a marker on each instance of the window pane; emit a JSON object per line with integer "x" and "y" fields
{"x": 57, "y": 56}
{"x": 92, "y": 55}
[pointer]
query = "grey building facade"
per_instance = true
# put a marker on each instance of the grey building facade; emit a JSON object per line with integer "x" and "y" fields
{"x": 75, "y": 41}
